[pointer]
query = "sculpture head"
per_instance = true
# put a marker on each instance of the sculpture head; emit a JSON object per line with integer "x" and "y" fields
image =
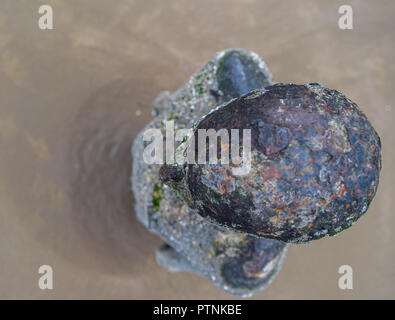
{"x": 314, "y": 164}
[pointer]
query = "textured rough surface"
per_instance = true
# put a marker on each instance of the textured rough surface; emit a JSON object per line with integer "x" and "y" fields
{"x": 238, "y": 263}
{"x": 314, "y": 169}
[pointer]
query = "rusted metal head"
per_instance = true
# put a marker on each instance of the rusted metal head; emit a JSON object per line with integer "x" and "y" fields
{"x": 315, "y": 163}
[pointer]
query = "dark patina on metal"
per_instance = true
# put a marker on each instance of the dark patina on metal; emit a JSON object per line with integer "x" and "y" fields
{"x": 315, "y": 164}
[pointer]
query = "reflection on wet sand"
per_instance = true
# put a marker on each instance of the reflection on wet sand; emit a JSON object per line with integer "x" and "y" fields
{"x": 102, "y": 204}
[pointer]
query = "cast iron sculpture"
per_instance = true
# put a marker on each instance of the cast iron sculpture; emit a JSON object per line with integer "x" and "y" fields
{"x": 314, "y": 169}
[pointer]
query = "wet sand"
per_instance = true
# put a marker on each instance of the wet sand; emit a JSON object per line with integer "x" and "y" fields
{"x": 73, "y": 99}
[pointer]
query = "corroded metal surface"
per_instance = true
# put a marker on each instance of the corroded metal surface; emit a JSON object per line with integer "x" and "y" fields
{"x": 314, "y": 171}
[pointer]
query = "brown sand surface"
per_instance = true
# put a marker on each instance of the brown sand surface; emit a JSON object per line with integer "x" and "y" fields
{"x": 73, "y": 98}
